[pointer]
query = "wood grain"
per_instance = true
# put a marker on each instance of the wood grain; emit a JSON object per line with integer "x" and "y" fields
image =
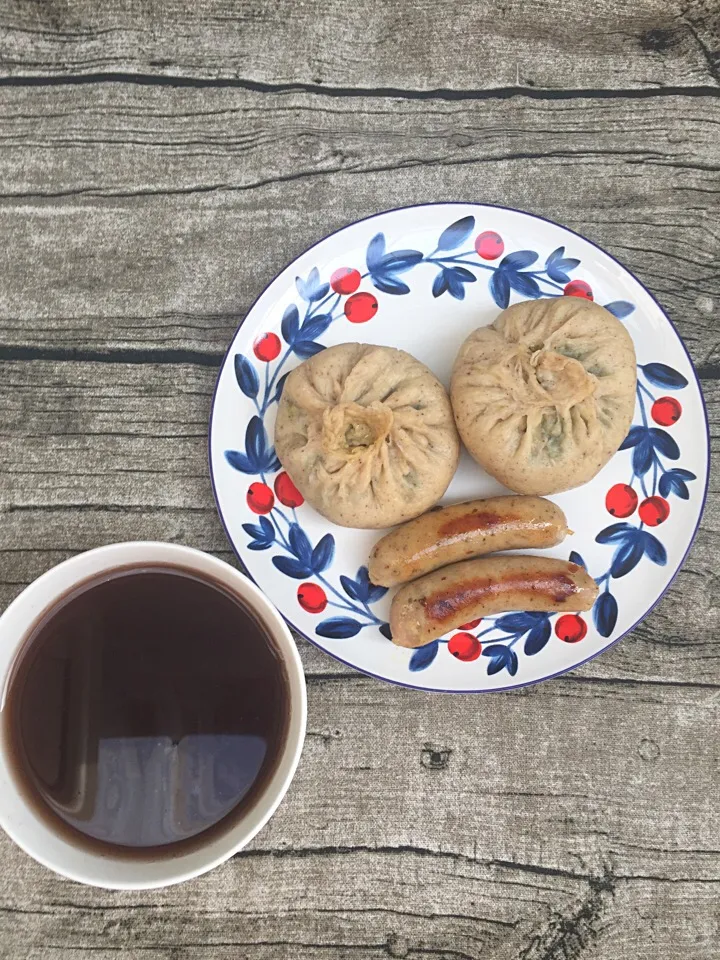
{"x": 149, "y": 219}
{"x": 93, "y": 453}
{"x": 343, "y": 45}
{"x": 159, "y": 163}
{"x": 471, "y": 848}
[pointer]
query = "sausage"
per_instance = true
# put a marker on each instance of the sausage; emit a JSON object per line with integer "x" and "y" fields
{"x": 465, "y": 530}
{"x": 427, "y": 608}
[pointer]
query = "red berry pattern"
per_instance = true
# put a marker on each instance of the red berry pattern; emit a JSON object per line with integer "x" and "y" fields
{"x": 489, "y": 245}
{"x": 578, "y": 288}
{"x": 666, "y": 411}
{"x": 571, "y": 628}
{"x": 267, "y": 347}
{"x": 361, "y": 307}
{"x": 654, "y": 511}
{"x": 286, "y": 491}
{"x": 311, "y": 597}
{"x": 345, "y": 280}
{"x": 260, "y": 498}
{"x": 465, "y": 647}
{"x": 621, "y": 500}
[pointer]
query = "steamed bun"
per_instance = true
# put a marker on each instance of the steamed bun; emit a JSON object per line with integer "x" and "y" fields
{"x": 545, "y": 395}
{"x": 367, "y": 435}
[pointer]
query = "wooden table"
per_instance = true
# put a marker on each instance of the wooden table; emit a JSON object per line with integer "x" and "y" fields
{"x": 159, "y": 163}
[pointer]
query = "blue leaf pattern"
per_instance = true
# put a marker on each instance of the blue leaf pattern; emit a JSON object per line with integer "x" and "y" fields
{"x": 654, "y": 550}
{"x": 292, "y": 567}
{"x": 388, "y": 283}
{"x": 664, "y": 443}
{"x": 423, "y": 656}
{"x": 369, "y": 592}
{"x": 642, "y": 458}
{"x": 538, "y": 637}
{"x": 263, "y": 534}
{"x": 456, "y": 233}
{"x": 258, "y": 545}
{"x": 519, "y": 623}
{"x": 558, "y": 267}
{"x": 385, "y": 267}
{"x": 648, "y": 443}
{"x": 627, "y": 557}
{"x": 605, "y": 613}
{"x": 311, "y": 289}
{"x": 280, "y": 387}
{"x": 338, "y": 628}
{"x": 635, "y": 435}
{"x": 501, "y": 657}
{"x": 661, "y": 375}
{"x": 350, "y": 587}
{"x": 518, "y": 260}
{"x": 524, "y": 284}
{"x": 314, "y": 327}
{"x": 322, "y": 555}
{"x": 440, "y": 284}
{"x": 247, "y": 378}
{"x": 500, "y": 289}
{"x": 620, "y": 308}
{"x": 674, "y": 481}
{"x": 375, "y": 251}
{"x": 361, "y": 588}
{"x": 307, "y": 348}
{"x": 238, "y": 461}
{"x": 402, "y": 260}
{"x": 290, "y": 324}
{"x": 300, "y": 544}
{"x": 255, "y": 440}
{"x": 615, "y": 533}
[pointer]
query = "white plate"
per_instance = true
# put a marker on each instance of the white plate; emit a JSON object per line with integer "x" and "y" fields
{"x": 422, "y": 278}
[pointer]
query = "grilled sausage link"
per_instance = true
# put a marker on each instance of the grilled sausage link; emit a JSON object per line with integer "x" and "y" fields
{"x": 427, "y": 608}
{"x": 465, "y": 530}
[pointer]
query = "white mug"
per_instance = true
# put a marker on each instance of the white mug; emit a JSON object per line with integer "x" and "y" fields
{"x": 54, "y": 849}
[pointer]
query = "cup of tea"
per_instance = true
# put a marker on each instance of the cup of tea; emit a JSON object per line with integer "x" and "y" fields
{"x": 152, "y": 715}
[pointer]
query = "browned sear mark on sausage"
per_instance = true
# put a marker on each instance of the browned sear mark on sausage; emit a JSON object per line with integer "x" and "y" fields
{"x": 443, "y": 604}
{"x": 478, "y": 520}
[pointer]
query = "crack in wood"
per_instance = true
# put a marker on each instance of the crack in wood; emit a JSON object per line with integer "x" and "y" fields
{"x": 112, "y": 355}
{"x": 409, "y": 849}
{"x": 10, "y": 354}
{"x": 567, "y": 937}
{"x": 712, "y": 57}
{"x": 399, "y": 93}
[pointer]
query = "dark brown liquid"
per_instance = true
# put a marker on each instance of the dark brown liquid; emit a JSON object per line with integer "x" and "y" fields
{"x": 147, "y": 709}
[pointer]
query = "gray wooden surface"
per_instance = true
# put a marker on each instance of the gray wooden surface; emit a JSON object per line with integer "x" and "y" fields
{"x": 159, "y": 163}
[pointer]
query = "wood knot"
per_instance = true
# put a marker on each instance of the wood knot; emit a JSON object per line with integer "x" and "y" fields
{"x": 649, "y": 749}
{"x": 433, "y": 757}
{"x": 657, "y": 40}
{"x": 397, "y": 946}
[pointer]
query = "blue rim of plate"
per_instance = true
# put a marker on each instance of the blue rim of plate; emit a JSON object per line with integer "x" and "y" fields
{"x": 554, "y": 223}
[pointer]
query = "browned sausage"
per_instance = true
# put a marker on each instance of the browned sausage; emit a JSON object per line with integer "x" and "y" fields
{"x": 462, "y": 531}
{"x": 441, "y": 601}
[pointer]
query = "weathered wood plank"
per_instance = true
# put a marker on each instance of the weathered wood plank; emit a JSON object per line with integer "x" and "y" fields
{"x": 92, "y": 453}
{"x": 570, "y": 821}
{"x": 468, "y": 849}
{"x": 465, "y": 45}
{"x": 506, "y": 914}
{"x": 151, "y": 219}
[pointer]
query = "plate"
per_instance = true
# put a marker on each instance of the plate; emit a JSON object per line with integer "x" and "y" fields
{"x": 422, "y": 278}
